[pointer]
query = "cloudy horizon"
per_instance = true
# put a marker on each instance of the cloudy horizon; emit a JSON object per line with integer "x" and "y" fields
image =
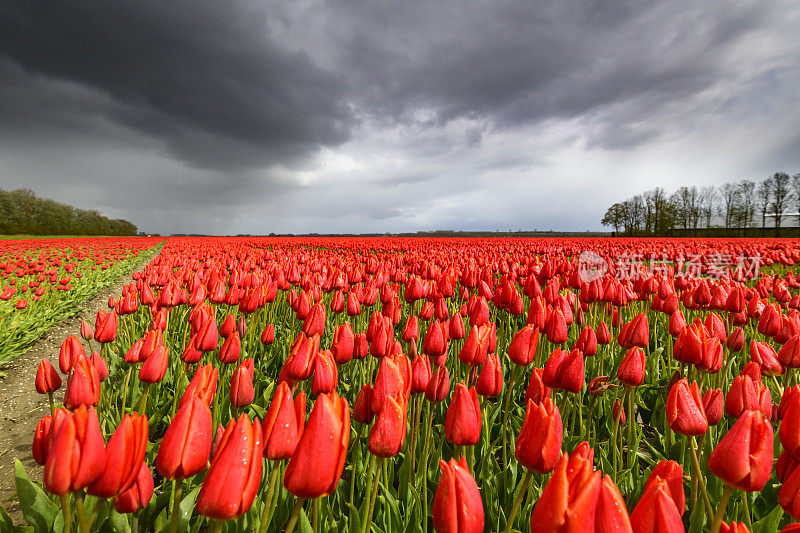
{"x": 348, "y": 117}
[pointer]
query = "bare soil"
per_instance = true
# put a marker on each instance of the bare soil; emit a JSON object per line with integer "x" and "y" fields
{"x": 21, "y": 406}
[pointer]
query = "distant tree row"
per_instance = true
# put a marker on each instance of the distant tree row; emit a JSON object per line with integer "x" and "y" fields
{"x": 741, "y": 208}
{"x": 21, "y": 212}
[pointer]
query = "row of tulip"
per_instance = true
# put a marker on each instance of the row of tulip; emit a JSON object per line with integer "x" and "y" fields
{"x": 549, "y": 401}
{"x": 43, "y": 281}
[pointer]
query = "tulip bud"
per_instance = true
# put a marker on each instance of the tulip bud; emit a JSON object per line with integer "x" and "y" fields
{"x": 439, "y": 385}
{"x": 632, "y": 368}
{"x": 569, "y": 500}
{"x": 743, "y": 458}
{"x": 362, "y": 409}
{"x": 420, "y": 374}
{"x": 154, "y": 369}
{"x": 105, "y": 328}
{"x": 388, "y": 433}
{"x": 268, "y": 334}
{"x": 317, "y": 463}
{"x": 326, "y": 375}
{"x": 234, "y": 474}
{"x": 46, "y": 429}
{"x": 656, "y": 510}
{"x": 462, "y": 425}
{"x": 231, "y": 348}
{"x": 457, "y": 504}
{"x": 538, "y": 446}
{"x": 47, "y": 379}
{"x": 70, "y": 350}
{"x": 83, "y": 385}
{"x": 343, "y": 344}
{"x": 186, "y": 444}
{"x": 564, "y": 370}
{"x": 86, "y": 330}
{"x": 490, "y": 380}
{"x": 712, "y": 405}
{"x": 203, "y": 385}
{"x": 77, "y": 455}
{"x": 241, "y": 391}
{"x": 124, "y": 457}
{"x": 537, "y": 391}
{"x": 138, "y": 495}
{"x": 522, "y": 349}
{"x": 671, "y": 473}
{"x": 685, "y": 413}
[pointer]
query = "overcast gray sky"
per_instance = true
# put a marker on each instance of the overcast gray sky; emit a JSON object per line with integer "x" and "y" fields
{"x": 251, "y": 117}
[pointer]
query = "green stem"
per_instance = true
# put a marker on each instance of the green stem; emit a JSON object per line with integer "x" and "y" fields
{"x": 143, "y": 401}
{"x": 83, "y": 522}
{"x": 374, "y": 496}
{"x": 631, "y": 451}
{"x": 66, "y": 511}
{"x": 747, "y": 520}
{"x": 523, "y": 489}
{"x": 699, "y": 476}
{"x": 298, "y": 504}
{"x": 425, "y": 465}
{"x": 176, "y": 504}
{"x": 723, "y": 504}
{"x": 217, "y": 526}
{"x": 505, "y": 413}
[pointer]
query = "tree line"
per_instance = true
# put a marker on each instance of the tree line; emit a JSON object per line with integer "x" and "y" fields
{"x": 743, "y": 208}
{"x": 22, "y": 212}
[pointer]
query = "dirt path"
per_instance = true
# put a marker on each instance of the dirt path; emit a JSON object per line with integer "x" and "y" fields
{"x": 21, "y": 406}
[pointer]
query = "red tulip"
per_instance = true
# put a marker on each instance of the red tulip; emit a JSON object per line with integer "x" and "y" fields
{"x": 457, "y": 504}
{"x": 537, "y": 391}
{"x": 476, "y": 347}
{"x": 343, "y": 344}
{"x": 283, "y": 423}
{"x": 362, "y": 409}
{"x": 538, "y": 446}
{"x": 569, "y": 500}
{"x": 326, "y": 374}
{"x": 203, "y": 385}
{"x": 302, "y": 355}
{"x": 47, "y": 379}
{"x": 420, "y": 374}
{"x": 46, "y": 429}
{"x": 268, "y": 334}
{"x": 317, "y": 462}
{"x": 388, "y": 433}
{"x": 105, "y": 328}
{"x": 632, "y": 368}
{"x": 70, "y": 350}
{"x": 743, "y": 458}
{"x": 490, "y": 380}
{"x": 522, "y": 349}
{"x": 712, "y": 405}
{"x": 564, "y": 370}
{"x": 462, "y": 424}
{"x": 124, "y": 457}
{"x": 234, "y": 474}
{"x": 789, "y": 432}
{"x": 231, "y": 349}
{"x": 671, "y": 473}
{"x": 138, "y": 495}
{"x": 656, "y": 510}
{"x": 764, "y": 354}
{"x": 435, "y": 343}
{"x": 184, "y": 450}
{"x": 83, "y": 385}
{"x": 77, "y": 455}
{"x": 154, "y": 369}
{"x": 685, "y": 413}
{"x": 241, "y": 391}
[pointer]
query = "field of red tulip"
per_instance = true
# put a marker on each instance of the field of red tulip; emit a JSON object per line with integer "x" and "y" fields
{"x": 43, "y": 280}
{"x": 449, "y": 385}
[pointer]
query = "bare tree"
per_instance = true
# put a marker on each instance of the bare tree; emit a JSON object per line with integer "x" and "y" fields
{"x": 729, "y": 193}
{"x": 781, "y": 195}
{"x": 747, "y": 202}
{"x": 707, "y": 199}
{"x": 796, "y": 187}
{"x": 614, "y": 217}
{"x": 764, "y": 193}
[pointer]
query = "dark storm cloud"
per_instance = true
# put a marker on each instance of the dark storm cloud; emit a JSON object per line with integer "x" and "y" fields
{"x": 203, "y": 77}
{"x": 245, "y": 116}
